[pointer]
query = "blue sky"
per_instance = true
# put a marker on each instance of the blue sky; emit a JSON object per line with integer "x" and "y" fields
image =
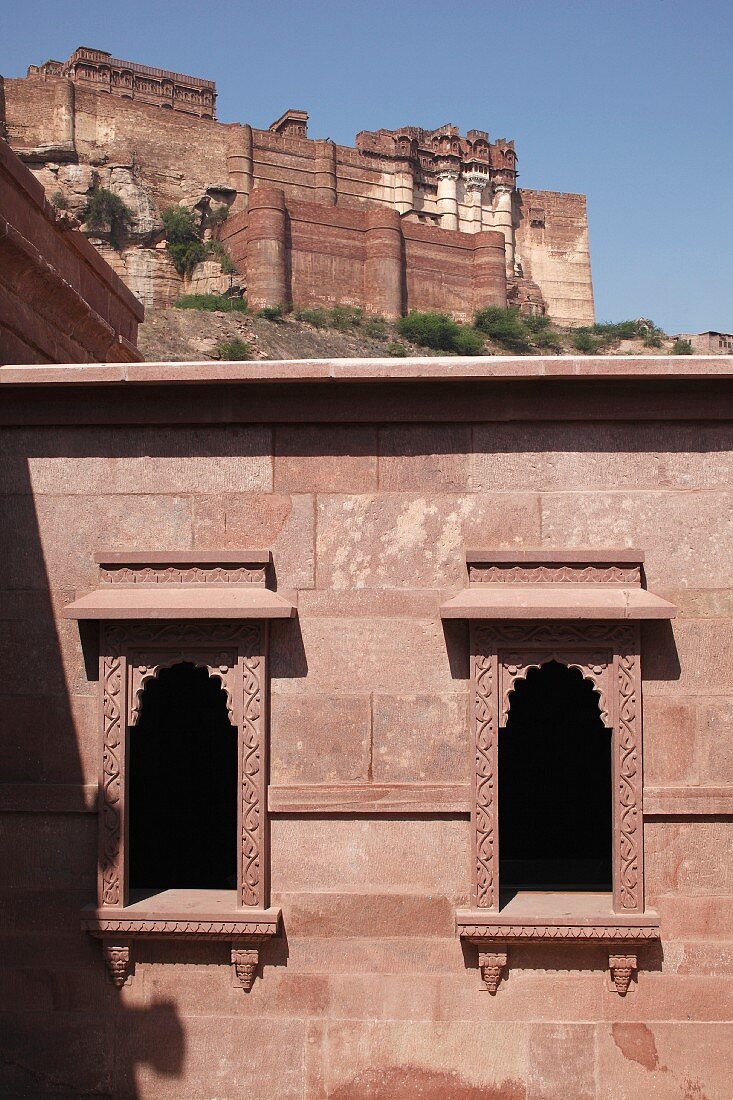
{"x": 629, "y": 102}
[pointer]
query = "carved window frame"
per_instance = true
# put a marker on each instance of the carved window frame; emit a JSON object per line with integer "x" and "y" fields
{"x": 606, "y": 654}
{"x": 235, "y": 654}
{"x": 131, "y": 654}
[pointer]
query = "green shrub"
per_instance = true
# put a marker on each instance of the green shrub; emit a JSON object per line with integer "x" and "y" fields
{"x": 439, "y": 331}
{"x": 681, "y": 347}
{"x": 584, "y": 341}
{"x": 468, "y": 342}
{"x": 505, "y": 326}
{"x": 218, "y": 215}
{"x": 620, "y": 330}
{"x": 271, "y": 313}
{"x": 345, "y": 318}
{"x": 211, "y": 303}
{"x": 60, "y": 201}
{"x": 235, "y": 350}
{"x": 653, "y": 340}
{"x": 548, "y": 340}
{"x": 183, "y": 242}
{"x": 107, "y": 212}
{"x": 316, "y": 317}
{"x": 536, "y": 322}
{"x": 397, "y": 351}
{"x": 376, "y": 327}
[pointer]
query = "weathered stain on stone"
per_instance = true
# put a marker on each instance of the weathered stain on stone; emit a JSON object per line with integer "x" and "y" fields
{"x": 636, "y": 1042}
{"x": 414, "y": 1083}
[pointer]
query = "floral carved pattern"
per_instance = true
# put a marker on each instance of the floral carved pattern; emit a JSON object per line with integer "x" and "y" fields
{"x": 251, "y": 770}
{"x": 629, "y": 783}
{"x": 149, "y": 574}
{"x": 111, "y": 789}
{"x": 485, "y": 734}
{"x": 563, "y": 574}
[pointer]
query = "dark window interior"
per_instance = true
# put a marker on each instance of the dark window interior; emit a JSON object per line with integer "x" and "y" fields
{"x": 183, "y": 783}
{"x": 554, "y": 785}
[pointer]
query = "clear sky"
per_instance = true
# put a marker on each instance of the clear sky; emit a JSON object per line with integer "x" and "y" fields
{"x": 629, "y": 102}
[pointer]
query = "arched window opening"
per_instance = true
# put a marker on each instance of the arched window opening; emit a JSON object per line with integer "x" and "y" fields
{"x": 555, "y": 788}
{"x": 183, "y": 784}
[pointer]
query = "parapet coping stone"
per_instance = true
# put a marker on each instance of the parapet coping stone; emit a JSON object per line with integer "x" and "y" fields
{"x": 494, "y": 368}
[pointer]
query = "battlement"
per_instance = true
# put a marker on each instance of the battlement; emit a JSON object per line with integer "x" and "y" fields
{"x": 191, "y": 94}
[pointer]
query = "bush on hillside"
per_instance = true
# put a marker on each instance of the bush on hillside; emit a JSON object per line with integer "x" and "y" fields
{"x": 270, "y": 313}
{"x": 376, "y": 327}
{"x": 548, "y": 340}
{"x": 397, "y": 351}
{"x": 106, "y": 212}
{"x": 212, "y": 303}
{"x": 505, "y": 326}
{"x": 681, "y": 347}
{"x": 345, "y": 318}
{"x": 440, "y": 332}
{"x": 234, "y": 350}
{"x": 583, "y": 340}
{"x": 316, "y": 317}
{"x": 183, "y": 242}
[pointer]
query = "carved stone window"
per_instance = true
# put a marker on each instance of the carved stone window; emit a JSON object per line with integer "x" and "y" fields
{"x": 157, "y": 613}
{"x": 581, "y": 610}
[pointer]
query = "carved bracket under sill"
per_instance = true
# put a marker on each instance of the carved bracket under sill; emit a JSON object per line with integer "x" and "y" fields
{"x": 494, "y": 936}
{"x": 246, "y": 934}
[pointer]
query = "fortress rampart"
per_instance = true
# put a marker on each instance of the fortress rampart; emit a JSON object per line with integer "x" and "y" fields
{"x": 447, "y": 189}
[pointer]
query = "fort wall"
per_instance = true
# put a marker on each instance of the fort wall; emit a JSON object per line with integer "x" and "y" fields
{"x": 433, "y": 179}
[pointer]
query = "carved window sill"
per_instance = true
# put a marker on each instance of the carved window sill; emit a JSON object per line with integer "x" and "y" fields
{"x": 182, "y": 914}
{"x": 574, "y": 918}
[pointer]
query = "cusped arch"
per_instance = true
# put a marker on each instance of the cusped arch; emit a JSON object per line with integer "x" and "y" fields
{"x": 593, "y": 668}
{"x": 220, "y": 666}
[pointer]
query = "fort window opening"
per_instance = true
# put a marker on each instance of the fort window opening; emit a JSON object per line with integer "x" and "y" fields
{"x": 555, "y": 785}
{"x": 183, "y": 784}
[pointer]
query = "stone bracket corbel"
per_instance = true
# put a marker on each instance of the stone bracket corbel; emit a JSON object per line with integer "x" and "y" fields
{"x": 118, "y": 960}
{"x": 245, "y": 961}
{"x": 492, "y": 965}
{"x": 622, "y": 967}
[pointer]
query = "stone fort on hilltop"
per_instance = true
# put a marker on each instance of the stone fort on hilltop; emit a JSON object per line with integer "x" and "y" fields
{"x": 405, "y": 219}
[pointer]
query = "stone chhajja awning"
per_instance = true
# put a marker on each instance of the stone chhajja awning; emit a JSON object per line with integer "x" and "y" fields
{"x": 182, "y": 585}
{"x": 547, "y": 584}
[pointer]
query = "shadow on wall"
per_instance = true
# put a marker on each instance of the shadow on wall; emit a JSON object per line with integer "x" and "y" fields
{"x": 65, "y": 1031}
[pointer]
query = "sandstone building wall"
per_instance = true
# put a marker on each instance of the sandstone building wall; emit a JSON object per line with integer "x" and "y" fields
{"x": 155, "y": 157}
{"x": 367, "y": 491}
{"x": 59, "y": 300}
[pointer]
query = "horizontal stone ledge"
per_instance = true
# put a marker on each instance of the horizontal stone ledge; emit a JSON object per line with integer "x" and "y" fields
{"x": 371, "y": 798}
{"x": 693, "y": 801}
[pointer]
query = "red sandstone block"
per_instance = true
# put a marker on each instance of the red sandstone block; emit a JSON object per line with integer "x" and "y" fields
{"x": 389, "y": 603}
{"x": 327, "y": 914}
{"x": 423, "y": 458}
{"x": 418, "y": 738}
{"x": 407, "y": 541}
{"x": 408, "y": 656}
{"x": 692, "y": 661}
{"x": 48, "y": 852}
{"x": 689, "y": 857}
{"x": 319, "y": 738}
{"x": 673, "y": 997}
{"x": 664, "y": 1060}
{"x": 35, "y": 539}
{"x": 653, "y": 520}
{"x": 669, "y": 742}
{"x": 78, "y": 1053}
{"x": 276, "y": 520}
{"x": 562, "y": 1061}
{"x": 351, "y": 954}
{"x": 22, "y": 741}
{"x": 702, "y": 959}
{"x": 693, "y": 918}
{"x": 407, "y": 1059}
{"x": 714, "y": 739}
{"x": 551, "y": 457}
{"x": 342, "y": 854}
{"x": 327, "y": 459}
